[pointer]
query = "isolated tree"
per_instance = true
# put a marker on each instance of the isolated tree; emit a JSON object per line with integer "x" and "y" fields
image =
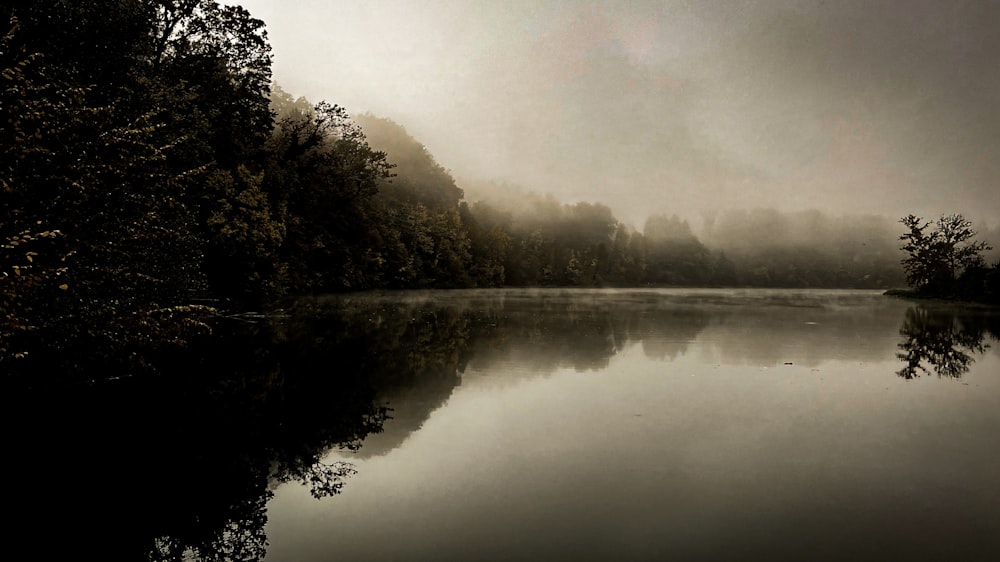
{"x": 939, "y": 252}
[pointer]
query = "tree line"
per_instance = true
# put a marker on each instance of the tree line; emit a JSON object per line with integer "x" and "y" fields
{"x": 155, "y": 175}
{"x": 146, "y": 182}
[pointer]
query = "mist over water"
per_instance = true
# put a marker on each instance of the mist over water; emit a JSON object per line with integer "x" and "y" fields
{"x": 535, "y": 424}
{"x": 699, "y": 424}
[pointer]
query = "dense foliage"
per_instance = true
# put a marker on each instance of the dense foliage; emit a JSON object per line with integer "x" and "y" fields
{"x": 143, "y": 177}
{"x": 155, "y": 176}
{"x": 943, "y": 259}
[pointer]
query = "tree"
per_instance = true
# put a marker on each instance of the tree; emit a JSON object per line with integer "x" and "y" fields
{"x": 489, "y": 239}
{"x": 417, "y": 176}
{"x": 674, "y": 254}
{"x": 940, "y": 252}
{"x": 211, "y": 66}
{"x": 323, "y": 176}
{"x": 100, "y": 257}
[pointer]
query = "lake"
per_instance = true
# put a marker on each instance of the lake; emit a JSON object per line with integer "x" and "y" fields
{"x": 680, "y": 424}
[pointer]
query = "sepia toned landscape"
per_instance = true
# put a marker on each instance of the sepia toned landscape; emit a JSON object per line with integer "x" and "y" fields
{"x": 527, "y": 280}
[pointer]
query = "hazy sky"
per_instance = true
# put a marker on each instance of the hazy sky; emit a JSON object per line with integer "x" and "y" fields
{"x": 886, "y": 106}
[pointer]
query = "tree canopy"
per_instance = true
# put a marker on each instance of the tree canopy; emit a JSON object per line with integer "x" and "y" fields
{"x": 944, "y": 259}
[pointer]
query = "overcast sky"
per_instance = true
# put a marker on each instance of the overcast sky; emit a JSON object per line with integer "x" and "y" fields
{"x": 883, "y": 106}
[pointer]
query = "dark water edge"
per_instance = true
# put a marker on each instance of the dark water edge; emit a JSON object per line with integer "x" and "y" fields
{"x": 948, "y": 300}
{"x": 147, "y": 468}
{"x": 152, "y": 468}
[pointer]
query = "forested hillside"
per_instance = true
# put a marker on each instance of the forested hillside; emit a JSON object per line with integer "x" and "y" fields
{"x": 153, "y": 176}
{"x": 146, "y": 183}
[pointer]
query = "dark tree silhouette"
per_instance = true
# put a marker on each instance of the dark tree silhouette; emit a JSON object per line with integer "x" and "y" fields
{"x": 937, "y": 257}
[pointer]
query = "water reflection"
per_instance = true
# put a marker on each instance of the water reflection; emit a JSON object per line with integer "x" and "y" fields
{"x": 427, "y": 344}
{"x": 943, "y": 342}
{"x": 767, "y": 419}
{"x": 146, "y": 469}
{"x": 185, "y": 469}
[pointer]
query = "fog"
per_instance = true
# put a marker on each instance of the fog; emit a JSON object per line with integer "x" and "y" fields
{"x": 674, "y": 107}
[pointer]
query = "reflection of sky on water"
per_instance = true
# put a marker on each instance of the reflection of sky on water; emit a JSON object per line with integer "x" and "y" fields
{"x": 710, "y": 447}
{"x": 806, "y": 327}
{"x": 517, "y": 334}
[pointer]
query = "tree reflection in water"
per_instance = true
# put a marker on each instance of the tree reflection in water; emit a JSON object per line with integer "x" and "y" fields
{"x": 181, "y": 467}
{"x": 942, "y": 341}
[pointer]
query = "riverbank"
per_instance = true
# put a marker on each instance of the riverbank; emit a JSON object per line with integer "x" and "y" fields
{"x": 911, "y": 294}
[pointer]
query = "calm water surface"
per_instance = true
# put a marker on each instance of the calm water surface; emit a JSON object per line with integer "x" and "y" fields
{"x": 532, "y": 425}
{"x": 667, "y": 425}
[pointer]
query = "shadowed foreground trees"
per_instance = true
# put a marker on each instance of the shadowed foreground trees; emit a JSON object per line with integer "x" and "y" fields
{"x": 143, "y": 177}
{"x": 100, "y": 252}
